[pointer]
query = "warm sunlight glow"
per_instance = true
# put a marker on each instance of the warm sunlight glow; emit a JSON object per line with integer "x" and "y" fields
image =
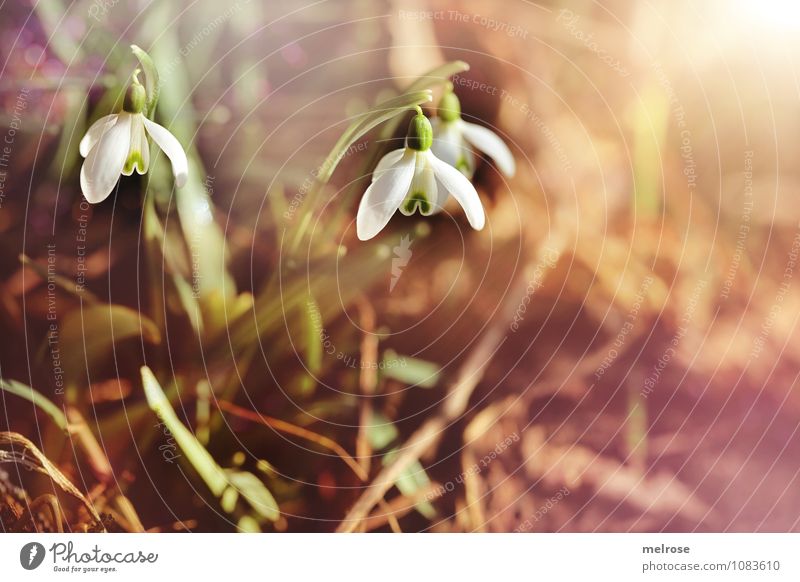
{"x": 778, "y": 15}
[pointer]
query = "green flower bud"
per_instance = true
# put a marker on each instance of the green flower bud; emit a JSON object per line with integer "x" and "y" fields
{"x": 420, "y": 133}
{"x": 449, "y": 106}
{"x": 135, "y": 98}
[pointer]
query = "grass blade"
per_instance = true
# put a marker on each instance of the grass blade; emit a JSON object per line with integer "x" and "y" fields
{"x": 31, "y": 395}
{"x": 225, "y": 484}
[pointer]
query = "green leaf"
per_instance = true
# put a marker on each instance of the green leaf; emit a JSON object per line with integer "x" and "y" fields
{"x": 226, "y": 484}
{"x": 28, "y": 393}
{"x": 204, "y": 238}
{"x": 248, "y": 525}
{"x": 158, "y": 253}
{"x": 90, "y": 334}
{"x": 411, "y": 371}
{"x": 51, "y": 15}
{"x": 63, "y": 282}
{"x": 152, "y": 84}
{"x": 313, "y": 351}
{"x": 636, "y": 428}
{"x": 367, "y": 121}
{"x": 437, "y": 75}
{"x": 356, "y": 272}
{"x": 67, "y": 155}
{"x": 277, "y": 206}
{"x": 429, "y": 80}
{"x": 251, "y": 488}
{"x": 410, "y": 481}
{"x": 381, "y": 433}
{"x": 198, "y": 456}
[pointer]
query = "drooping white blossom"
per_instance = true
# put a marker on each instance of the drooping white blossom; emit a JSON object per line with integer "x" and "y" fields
{"x": 454, "y": 140}
{"x": 117, "y": 144}
{"x": 412, "y": 179}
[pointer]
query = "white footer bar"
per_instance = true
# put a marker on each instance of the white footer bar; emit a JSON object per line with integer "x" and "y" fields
{"x": 387, "y": 557}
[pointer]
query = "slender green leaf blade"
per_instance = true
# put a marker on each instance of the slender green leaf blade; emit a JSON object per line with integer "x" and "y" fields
{"x": 411, "y": 371}
{"x": 225, "y": 484}
{"x": 198, "y": 456}
{"x": 28, "y": 393}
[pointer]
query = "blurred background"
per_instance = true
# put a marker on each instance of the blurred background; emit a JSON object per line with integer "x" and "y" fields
{"x": 613, "y": 352}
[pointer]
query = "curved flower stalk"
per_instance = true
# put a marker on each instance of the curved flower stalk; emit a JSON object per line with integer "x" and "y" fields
{"x": 413, "y": 179}
{"x": 117, "y": 144}
{"x": 454, "y": 138}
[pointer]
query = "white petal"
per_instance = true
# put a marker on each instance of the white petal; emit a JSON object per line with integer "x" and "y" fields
{"x": 442, "y": 196}
{"x": 490, "y": 143}
{"x": 145, "y": 152}
{"x": 97, "y": 129}
{"x": 101, "y": 170}
{"x": 387, "y": 162}
{"x": 461, "y": 189}
{"x": 172, "y": 147}
{"x": 384, "y": 196}
{"x": 449, "y": 146}
{"x": 422, "y": 195}
{"x": 139, "y": 152}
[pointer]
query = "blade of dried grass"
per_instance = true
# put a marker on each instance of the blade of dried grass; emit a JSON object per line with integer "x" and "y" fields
{"x": 35, "y": 460}
{"x": 472, "y": 493}
{"x": 368, "y": 380}
{"x": 50, "y": 501}
{"x": 399, "y": 507}
{"x": 66, "y": 284}
{"x": 86, "y": 440}
{"x": 289, "y": 428}
{"x": 455, "y": 402}
{"x": 73, "y": 423}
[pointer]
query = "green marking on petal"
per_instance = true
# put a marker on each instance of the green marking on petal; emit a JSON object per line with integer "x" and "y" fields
{"x": 415, "y": 201}
{"x": 135, "y": 159}
{"x": 462, "y": 165}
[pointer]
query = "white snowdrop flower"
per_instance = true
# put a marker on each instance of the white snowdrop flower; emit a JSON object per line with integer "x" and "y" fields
{"x": 117, "y": 143}
{"x": 454, "y": 138}
{"x": 413, "y": 179}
